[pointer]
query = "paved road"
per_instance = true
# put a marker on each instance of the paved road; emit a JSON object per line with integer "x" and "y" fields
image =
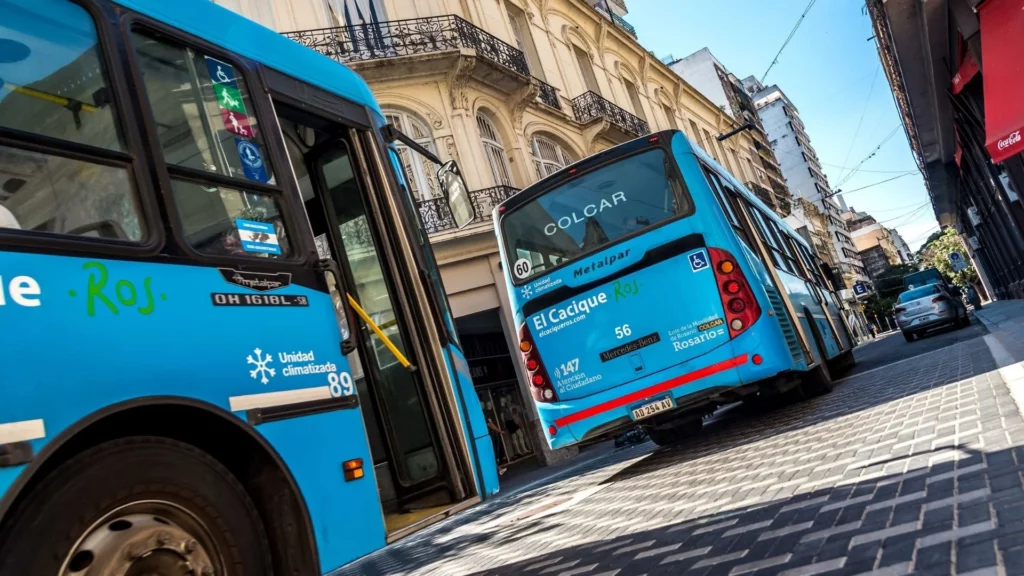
{"x": 893, "y": 348}
{"x": 916, "y": 467}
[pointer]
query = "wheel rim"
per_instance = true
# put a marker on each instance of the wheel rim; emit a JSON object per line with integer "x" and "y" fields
{"x": 145, "y": 538}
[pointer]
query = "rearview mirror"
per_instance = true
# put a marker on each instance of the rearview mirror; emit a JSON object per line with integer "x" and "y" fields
{"x": 455, "y": 192}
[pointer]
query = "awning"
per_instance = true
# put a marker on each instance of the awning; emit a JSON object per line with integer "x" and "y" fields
{"x": 1002, "y": 27}
{"x": 968, "y": 69}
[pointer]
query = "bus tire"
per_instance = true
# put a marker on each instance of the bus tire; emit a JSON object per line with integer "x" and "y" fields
{"x": 137, "y": 505}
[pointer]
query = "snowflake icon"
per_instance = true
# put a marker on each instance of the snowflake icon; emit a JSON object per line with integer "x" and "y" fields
{"x": 261, "y": 370}
{"x": 526, "y": 291}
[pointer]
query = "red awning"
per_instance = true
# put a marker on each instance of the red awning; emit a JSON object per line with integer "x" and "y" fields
{"x": 968, "y": 69}
{"x": 1002, "y": 28}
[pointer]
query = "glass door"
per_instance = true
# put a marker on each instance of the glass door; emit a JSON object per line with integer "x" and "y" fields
{"x": 405, "y": 422}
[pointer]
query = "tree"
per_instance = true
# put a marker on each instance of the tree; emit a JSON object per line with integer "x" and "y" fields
{"x": 888, "y": 286}
{"x": 936, "y": 254}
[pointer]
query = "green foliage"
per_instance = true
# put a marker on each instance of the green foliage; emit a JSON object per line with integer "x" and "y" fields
{"x": 935, "y": 253}
{"x": 888, "y": 287}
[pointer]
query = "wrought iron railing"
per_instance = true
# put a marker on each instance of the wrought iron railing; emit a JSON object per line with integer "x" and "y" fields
{"x": 761, "y": 192}
{"x": 376, "y": 40}
{"x": 619, "y": 21}
{"x": 549, "y": 95}
{"x": 590, "y": 105}
{"x": 437, "y": 217}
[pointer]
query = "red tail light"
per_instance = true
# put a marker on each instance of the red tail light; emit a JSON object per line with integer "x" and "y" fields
{"x": 900, "y": 310}
{"x": 741, "y": 308}
{"x": 540, "y": 384}
{"x": 939, "y": 299}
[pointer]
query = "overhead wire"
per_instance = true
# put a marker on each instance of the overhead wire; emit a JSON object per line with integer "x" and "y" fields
{"x": 868, "y": 157}
{"x": 867, "y": 102}
{"x": 788, "y": 38}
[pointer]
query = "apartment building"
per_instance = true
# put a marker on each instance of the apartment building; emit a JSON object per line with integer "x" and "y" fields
{"x": 513, "y": 90}
{"x": 705, "y": 73}
{"x": 802, "y": 170}
{"x": 879, "y": 247}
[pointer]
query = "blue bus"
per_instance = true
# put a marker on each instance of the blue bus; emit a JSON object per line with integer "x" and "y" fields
{"x": 228, "y": 349}
{"x": 650, "y": 287}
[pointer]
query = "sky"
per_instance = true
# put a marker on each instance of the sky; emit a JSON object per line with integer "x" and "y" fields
{"x": 830, "y": 70}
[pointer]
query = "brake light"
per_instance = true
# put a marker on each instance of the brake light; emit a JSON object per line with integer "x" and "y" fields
{"x": 939, "y": 299}
{"x": 900, "y": 310}
{"x": 741, "y": 307}
{"x": 540, "y": 385}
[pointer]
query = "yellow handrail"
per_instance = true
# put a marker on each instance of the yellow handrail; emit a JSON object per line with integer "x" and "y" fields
{"x": 376, "y": 330}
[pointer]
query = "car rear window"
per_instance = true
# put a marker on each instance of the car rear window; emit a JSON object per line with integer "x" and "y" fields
{"x": 918, "y": 293}
{"x": 593, "y": 210}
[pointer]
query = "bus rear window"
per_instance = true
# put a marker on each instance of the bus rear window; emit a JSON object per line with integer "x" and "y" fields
{"x": 594, "y": 210}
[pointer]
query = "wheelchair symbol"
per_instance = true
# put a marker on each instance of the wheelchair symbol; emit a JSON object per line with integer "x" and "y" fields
{"x": 698, "y": 261}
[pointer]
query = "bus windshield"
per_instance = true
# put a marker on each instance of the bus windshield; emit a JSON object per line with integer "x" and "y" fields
{"x": 594, "y": 210}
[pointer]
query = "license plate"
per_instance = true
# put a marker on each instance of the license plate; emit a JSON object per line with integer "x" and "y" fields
{"x": 648, "y": 410}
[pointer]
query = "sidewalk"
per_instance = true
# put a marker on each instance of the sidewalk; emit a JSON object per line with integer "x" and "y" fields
{"x": 1005, "y": 321}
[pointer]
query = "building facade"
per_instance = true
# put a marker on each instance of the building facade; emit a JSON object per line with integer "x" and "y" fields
{"x": 705, "y": 73}
{"x": 954, "y": 68}
{"x": 802, "y": 170}
{"x": 876, "y": 244}
{"x": 513, "y": 90}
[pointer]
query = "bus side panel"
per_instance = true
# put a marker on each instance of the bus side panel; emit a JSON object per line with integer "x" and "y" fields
{"x": 89, "y": 333}
{"x": 346, "y": 516}
{"x": 486, "y": 465}
{"x": 803, "y": 298}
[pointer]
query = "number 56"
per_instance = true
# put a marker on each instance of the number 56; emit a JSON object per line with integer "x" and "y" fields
{"x": 622, "y": 331}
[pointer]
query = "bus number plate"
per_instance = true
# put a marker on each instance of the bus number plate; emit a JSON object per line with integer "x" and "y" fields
{"x": 653, "y": 408}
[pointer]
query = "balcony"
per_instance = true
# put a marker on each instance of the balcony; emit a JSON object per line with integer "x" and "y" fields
{"x": 438, "y": 218}
{"x": 618, "y": 21}
{"x": 365, "y": 45}
{"x": 591, "y": 106}
{"x": 762, "y": 192}
{"x": 548, "y": 95}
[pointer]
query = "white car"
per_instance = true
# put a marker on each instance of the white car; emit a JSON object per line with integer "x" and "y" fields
{"x": 927, "y": 307}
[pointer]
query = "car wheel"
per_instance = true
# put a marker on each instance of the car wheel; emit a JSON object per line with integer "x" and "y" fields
{"x": 908, "y": 336}
{"x": 140, "y": 505}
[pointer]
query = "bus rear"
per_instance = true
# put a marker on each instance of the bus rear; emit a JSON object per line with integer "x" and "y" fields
{"x": 633, "y": 297}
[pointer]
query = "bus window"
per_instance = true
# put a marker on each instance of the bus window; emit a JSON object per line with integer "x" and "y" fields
{"x": 716, "y": 187}
{"x": 206, "y": 124}
{"x": 596, "y": 209}
{"x": 55, "y": 87}
{"x": 205, "y": 119}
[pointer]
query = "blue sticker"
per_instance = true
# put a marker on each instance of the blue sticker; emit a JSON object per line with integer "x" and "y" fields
{"x": 252, "y": 160}
{"x": 221, "y": 72}
{"x": 699, "y": 261}
{"x": 258, "y": 236}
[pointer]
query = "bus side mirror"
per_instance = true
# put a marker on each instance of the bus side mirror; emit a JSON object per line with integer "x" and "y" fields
{"x": 454, "y": 189}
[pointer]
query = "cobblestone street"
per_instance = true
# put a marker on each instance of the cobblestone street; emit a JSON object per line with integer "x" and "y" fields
{"x": 911, "y": 467}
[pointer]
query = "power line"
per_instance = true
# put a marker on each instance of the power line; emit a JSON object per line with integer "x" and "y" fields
{"x": 869, "y": 156}
{"x": 874, "y": 184}
{"x": 863, "y": 112}
{"x": 788, "y": 38}
{"x": 916, "y": 209}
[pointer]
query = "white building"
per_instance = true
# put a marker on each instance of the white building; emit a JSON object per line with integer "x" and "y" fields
{"x": 802, "y": 170}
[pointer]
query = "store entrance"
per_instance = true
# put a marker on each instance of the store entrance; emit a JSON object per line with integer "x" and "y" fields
{"x": 494, "y": 376}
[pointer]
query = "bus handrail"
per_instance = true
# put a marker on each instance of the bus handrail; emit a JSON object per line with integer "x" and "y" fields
{"x": 380, "y": 334}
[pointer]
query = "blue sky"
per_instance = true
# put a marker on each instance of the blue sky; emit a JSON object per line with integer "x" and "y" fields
{"x": 827, "y": 70}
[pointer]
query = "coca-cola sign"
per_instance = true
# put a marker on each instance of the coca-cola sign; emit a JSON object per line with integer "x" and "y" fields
{"x": 1009, "y": 141}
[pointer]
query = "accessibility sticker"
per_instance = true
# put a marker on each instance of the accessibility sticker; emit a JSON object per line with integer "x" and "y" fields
{"x": 252, "y": 160}
{"x": 236, "y": 123}
{"x": 699, "y": 261}
{"x": 221, "y": 73}
{"x": 258, "y": 236}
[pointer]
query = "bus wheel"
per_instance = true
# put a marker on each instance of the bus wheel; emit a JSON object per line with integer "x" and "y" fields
{"x": 140, "y": 505}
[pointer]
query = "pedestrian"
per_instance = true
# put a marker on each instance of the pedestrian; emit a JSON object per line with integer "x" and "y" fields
{"x": 499, "y": 446}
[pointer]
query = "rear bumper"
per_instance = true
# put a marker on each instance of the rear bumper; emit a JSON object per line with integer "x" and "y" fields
{"x": 931, "y": 320}
{"x": 728, "y": 366}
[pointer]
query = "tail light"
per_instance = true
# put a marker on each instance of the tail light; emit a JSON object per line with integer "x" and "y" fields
{"x": 939, "y": 299}
{"x": 900, "y": 310}
{"x": 741, "y": 308}
{"x": 540, "y": 384}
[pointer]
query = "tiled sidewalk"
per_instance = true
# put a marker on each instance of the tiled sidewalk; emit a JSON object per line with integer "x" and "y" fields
{"x": 912, "y": 468}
